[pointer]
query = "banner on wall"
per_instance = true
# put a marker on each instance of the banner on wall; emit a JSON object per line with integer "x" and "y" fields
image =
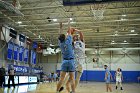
{"x": 21, "y": 69}
{"x": 21, "y": 50}
{"x": 33, "y": 57}
{"x": 35, "y": 45}
{"x": 16, "y": 47}
{"x": 10, "y": 51}
{"x": 36, "y": 70}
{"x": 24, "y": 69}
{"x": 26, "y": 55}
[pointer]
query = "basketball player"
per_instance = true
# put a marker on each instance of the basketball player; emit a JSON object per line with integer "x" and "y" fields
{"x": 119, "y": 78}
{"x": 79, "y": 50}
{"x": 67, "y": 66}
{"x": 108, "y": 78}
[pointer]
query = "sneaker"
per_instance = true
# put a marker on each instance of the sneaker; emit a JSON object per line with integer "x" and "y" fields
{"x": 61, "y": 89}
{"x": 116, "y": 87}
{"x": 71, "y": 92}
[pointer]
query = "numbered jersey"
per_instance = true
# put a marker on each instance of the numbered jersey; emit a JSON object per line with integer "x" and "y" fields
{"x": 108, "y": 74}
{"x": 118, "y": 74}
{"x": 79, "y": 49}
{"x": 67, "y": 48}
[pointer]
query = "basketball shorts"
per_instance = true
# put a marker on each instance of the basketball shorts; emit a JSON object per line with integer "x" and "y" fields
{"x": 118, "y": 80}
{"x": 68, "y": 65}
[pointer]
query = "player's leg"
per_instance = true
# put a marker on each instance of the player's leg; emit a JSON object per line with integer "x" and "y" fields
{"x": 110, "y": 87}
{"x": 72, "y": 81}
{"x": 120, "y": 82}
{"x": 77, "y": 78}
{"x": 117, "y": 84}
{"x": 79, "y": 71}
{"x": 72, "y": 75}
{"x": 68, "y": 86}
{"x": 64, "y": 69}
{"x": 62, "y": 76}
{"x": 64, "y": 82}
{"x": 107, "y": 87}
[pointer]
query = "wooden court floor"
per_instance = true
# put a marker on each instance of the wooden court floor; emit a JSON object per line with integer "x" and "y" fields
{"x": 84, "y": 87}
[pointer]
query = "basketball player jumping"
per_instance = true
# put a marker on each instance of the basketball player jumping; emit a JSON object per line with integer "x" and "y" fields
{"x": 67, "y": 66}
{"x": 79, "y": 49}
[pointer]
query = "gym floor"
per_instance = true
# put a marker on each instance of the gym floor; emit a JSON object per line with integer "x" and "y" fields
{"x": 84, "y": 87}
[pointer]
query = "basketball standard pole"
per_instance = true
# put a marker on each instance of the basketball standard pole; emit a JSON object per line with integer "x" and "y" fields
{"x": 86, "y": 69}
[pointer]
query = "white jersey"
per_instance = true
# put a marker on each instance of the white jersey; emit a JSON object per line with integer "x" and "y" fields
{"x": 79, "y": 49}
{"x": 118, "y": 74}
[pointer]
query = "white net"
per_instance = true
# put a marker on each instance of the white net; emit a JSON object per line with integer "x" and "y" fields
{"x": 98, "y": 14}
{"x": 98, "y": 11}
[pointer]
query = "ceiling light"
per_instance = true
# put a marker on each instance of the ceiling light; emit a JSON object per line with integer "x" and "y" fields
{"x": 133, "y": 34}
{"x": 19, "y": 22}
{"x": 70, "y": 18}
{"x": 124, "y": 15}
{"x": 116, "y": 34}
{"x": 133, "y": 30}
{"x": 122, "y": 19}
{"x": 54, "y": 20}
{"x": 72, "y": 22}
{"x": 124, "y": 41}
{"x": 22, "y": 25}
{"x": 113, "y": 41}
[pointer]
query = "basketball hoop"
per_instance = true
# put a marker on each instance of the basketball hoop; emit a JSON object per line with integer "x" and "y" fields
{"x": 98, "y": 11}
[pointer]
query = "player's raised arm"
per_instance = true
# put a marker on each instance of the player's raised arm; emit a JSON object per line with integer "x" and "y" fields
{"x": 81, "y": 35}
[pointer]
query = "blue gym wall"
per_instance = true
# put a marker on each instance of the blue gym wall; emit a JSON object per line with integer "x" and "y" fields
{"x": 98, "y": 76}
{"x": 128, "y": 76}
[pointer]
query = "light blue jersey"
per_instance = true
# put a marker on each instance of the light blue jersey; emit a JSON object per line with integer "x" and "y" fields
{"x": 109, "y": 76}
{"x": 68, "y": 55}
{"x": 67, "y": 48}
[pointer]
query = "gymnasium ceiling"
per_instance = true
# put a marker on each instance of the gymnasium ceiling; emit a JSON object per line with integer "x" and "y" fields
{"x": 120, "y": 26}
